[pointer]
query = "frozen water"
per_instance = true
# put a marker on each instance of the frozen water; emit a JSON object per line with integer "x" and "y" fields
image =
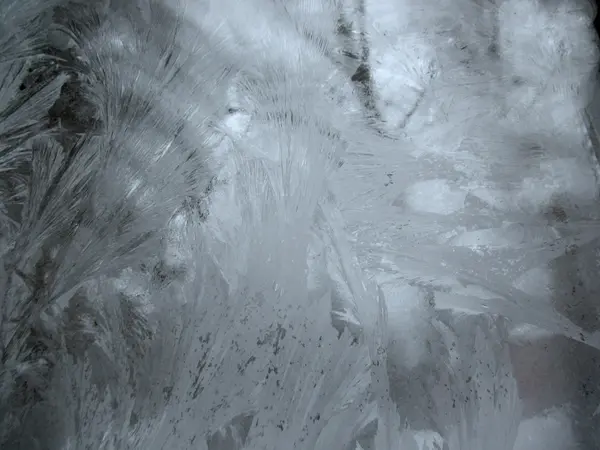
{"x": 334, "y": 225}
{"x": 551, "y": 430}
{"x": 490, "y": 166}
{"x": 435, "y": 197}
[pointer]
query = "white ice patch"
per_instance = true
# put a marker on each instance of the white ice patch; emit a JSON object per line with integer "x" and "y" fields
{"x": 409, "y": 323}
{"x": 435, "y": 196}
{"x": 525, "y": 334}
{"x": 569, "y": 177}
{"x": 509, "y": 235}
{"x": 536, "y": 281}
{"x": 421, "y": 440}
{"x": 552, "y": 431}
{"x": 401, "y": 75}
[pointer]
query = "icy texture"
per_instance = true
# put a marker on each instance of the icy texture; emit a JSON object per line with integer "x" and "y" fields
{"x": 488, "y": 202}
{"x": 480, "y": 187}
{"x": 145, "y": 319}
{"x": 552, "y": 430}
{"x": 307, "y": 224}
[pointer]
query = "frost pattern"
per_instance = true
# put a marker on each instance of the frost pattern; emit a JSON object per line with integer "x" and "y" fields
{"x": 291, "y": 224}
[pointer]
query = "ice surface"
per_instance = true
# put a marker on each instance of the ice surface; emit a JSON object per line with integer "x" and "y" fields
{"x": 436, "y": 197}
{"x": 551, "y": 430}
{"x": 311, "y": 224}
{"x": 491, "y": 162}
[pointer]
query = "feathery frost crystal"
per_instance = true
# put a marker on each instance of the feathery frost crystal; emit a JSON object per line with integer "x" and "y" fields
{"x": 298, "y": 224}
